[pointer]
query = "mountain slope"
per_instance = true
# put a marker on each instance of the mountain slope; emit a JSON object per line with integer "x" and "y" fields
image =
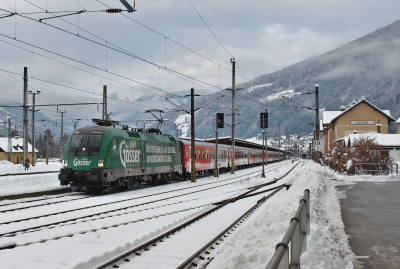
{"x": 368, "y": 66}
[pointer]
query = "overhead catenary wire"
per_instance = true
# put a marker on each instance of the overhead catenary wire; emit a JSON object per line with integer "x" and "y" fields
{"x": 167, "y": 38}
{"x": 119, "y": 51}
{"x": 217, "y": 38}
{"x": 58, "y": 61}
{"x": 73, "y": 88}
{"x": 168, "y": 70}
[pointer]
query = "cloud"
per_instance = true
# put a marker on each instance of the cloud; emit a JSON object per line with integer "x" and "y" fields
{"x": 263, "y": 36}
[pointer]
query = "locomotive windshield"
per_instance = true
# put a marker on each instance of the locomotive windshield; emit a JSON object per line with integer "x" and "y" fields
{"x": 85, "y": 144}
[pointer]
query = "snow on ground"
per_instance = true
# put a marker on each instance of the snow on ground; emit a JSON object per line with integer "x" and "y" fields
{"x": 327, "y": 245}
{"x": 254, "y": 243}
{"x": 252, "y": 88}
{"x": 287, "y": 93}
{"x": 183, "y": 121}
{"x": 11, "y": 185}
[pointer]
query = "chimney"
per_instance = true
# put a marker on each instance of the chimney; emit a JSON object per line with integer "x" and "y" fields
{"x": 355, "y": 132}
{"x": 342, "y": 108}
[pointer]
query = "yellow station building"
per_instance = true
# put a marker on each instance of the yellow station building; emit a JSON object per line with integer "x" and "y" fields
{"x": 359, "y": 118}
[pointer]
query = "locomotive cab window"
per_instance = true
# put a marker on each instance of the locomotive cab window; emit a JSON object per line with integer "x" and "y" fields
{"x": 85, "y": 144}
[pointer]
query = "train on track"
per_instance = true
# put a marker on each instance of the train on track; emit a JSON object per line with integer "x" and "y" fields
{"x": 104, "y": 158}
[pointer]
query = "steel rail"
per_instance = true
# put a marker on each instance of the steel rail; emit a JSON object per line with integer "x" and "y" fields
{"x": 154, "y": 240}
{"x": 160, "y": 237}
{"x": 29, "y": 173}
{"x": 130, "y": 199}
{"x": 247, "y": 213}
{"x": 109, "y": 211}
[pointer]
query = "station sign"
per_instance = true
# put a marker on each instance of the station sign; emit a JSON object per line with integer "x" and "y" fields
{"x": 362, "y": 122}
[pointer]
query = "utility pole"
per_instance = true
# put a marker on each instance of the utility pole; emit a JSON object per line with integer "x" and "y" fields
{"x": 105, "y": 117}
{"x": 33, "y": 126}
{"x": 9, "y": 140}
{"x": 233, "y": 118}
{"x": 62, "y": 134}
{"x": 264, "y": 155}
{"x": 216, "y": 174}
{"x": 264, "y": 125}
{"x": 316, "y": 152}
{"x": 219, "y": 123}
{"x": 193, "y": 151}
{"x": 279, "y": 137}
{"x": 47, "y": 146}
{"x": 25, "y": 136}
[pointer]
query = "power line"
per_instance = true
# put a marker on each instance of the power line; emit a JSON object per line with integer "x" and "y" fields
{"x": 122, "y": 52}
{"x": 179, "y": 44}
{"x": 26, "y": 43}
{"x": 73, "y": 88}
{"x": 216, "y": 37}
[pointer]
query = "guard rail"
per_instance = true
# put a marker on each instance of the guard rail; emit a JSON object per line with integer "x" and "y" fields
{"x": 297, "y": 236}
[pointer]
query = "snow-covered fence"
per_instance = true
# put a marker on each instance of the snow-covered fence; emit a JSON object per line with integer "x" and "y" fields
{"x": 297, "y": 236}
{"x": 376, "y": 168}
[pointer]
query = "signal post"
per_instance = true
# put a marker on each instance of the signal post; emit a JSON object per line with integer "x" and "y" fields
{"x": 219, "y": 123}
{"x": 264, "y": 126}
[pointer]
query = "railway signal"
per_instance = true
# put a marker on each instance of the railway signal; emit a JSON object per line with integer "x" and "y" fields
{"x": 264, "y": 120}
{"x": 220, "y": 120}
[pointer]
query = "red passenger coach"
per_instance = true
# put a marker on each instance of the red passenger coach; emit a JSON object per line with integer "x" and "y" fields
{"x": 205, "y": 157}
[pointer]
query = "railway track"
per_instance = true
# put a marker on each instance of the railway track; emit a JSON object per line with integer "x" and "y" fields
{"x": 165, "y": 244}
{"x": 29, "y": 173}
{"x": 9, "y": 229}
{"x": 147, "y": 217}
{"x": 12, "y": 229}
{"x": 92, "y": 206}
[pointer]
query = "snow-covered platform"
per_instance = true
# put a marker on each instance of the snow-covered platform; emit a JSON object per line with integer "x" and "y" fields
{"x": 328, "y": 244}
{"x": 27, "y": 181}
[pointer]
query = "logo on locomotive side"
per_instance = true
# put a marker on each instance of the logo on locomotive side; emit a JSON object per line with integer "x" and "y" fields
{"x": 78, "y": 162}
{"x": 128, "y": 155}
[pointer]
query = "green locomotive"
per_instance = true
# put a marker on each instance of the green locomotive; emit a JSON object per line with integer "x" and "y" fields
{"x": 104, "y": 158}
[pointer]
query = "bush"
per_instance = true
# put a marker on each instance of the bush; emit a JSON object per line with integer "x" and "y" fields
{"x": 364, "y": 150}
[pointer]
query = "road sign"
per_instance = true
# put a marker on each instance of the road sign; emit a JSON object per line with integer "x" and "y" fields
{"x": 317, "y": 145}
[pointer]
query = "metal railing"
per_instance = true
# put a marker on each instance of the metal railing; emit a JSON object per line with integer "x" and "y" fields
{"x": 376, "y": 168}
{"x": 297, "y": 236}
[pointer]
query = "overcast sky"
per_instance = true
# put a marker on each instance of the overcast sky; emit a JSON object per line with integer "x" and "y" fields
{"x": 129, "y": 52}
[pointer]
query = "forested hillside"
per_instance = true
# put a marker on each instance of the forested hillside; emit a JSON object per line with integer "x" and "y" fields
{"x": 368, "y": 66}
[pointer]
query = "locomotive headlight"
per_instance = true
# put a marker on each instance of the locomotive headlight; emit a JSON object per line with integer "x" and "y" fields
{"x": 100, "y": 163}
{"x": 65, "y": 163}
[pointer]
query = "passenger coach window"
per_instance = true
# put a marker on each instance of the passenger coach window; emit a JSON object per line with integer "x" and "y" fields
{"x": 206, "y": 153}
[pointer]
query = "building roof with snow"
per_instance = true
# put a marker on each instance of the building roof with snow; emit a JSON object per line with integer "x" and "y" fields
{"x": 331, "y": 117}
{"x": 384, "y": 140}
{"x": 16, "y": 143}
